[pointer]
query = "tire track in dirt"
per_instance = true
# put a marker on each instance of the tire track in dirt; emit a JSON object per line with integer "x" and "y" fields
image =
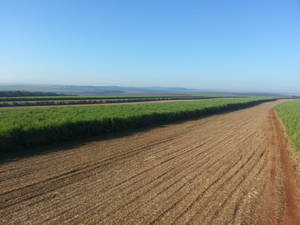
{"x": 147, "y": 191}
{"x": 121, "y": 207}
{"x": 218, "y": 191}
{"x": 211, "y": 185}
{"x": 215, "y": 170}
{"x": 178, "y": 180}
{"x": 113, "y": 146}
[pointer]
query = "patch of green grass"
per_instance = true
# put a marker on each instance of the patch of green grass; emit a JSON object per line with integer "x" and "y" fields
{"x": 26, "y": 128}
{"x": 289, "y": 112}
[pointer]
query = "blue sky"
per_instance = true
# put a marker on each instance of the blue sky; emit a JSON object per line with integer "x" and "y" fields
{"x": 250, "y": 45}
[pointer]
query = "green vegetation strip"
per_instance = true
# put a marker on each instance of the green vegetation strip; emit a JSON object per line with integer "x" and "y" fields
{"x": 85, "y": 101}
{"x": 289, "y": 112}
{"x": 61, "y": 98}
{"x": 26, "y": 128}
{"x": 73, "y": 102}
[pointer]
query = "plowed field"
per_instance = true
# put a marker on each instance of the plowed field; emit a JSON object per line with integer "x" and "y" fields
{"x": 232, "y": 168}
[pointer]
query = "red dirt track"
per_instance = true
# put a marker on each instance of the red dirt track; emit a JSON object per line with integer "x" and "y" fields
{"x": 233, "y": 168}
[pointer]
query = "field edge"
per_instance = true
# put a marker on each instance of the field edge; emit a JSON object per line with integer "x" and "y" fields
{"x": 20, "y": 140}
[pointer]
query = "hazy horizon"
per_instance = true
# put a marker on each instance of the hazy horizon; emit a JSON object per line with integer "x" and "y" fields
{"x": 177, "y": 89}
{"x": 251, "y": 46}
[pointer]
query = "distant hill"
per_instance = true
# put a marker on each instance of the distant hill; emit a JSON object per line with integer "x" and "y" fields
{"x": 26, "y": 93}
{"x": 53, "y": 90}
{"x": 95, "y": 90}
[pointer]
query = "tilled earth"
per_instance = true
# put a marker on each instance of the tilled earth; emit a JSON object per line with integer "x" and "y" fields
{"x": 232, "y": 168}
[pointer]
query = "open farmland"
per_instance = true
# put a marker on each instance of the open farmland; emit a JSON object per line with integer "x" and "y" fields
{"x": 6, "y": 102}
{"x": 30, "y": 127}
{"x": 230, "y": 168}
{"x": 64, "y": 97}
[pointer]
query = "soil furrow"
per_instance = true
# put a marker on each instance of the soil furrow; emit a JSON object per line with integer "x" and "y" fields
{"x": 230, "y": 168}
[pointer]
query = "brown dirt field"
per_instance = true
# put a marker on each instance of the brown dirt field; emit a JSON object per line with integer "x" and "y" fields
{"x": 232, "y": 168}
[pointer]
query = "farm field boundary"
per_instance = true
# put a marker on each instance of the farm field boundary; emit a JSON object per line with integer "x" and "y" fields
{"x": 23, "y": 104}
{"x": 88, "y": 100}
{"x": 45, "y": 98}
{"x": 289, "y": 116}
{"x": 27, "y": 128}
{"x": 289, "y": 112}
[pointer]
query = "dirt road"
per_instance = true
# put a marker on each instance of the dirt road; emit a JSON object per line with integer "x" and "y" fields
{"x": 225, "y": 169}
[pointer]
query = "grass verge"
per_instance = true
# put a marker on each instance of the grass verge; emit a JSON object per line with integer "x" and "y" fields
{"x": 289, "y": 112}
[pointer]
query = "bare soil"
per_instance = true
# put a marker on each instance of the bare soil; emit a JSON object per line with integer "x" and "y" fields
{"x": 233, "y": 168}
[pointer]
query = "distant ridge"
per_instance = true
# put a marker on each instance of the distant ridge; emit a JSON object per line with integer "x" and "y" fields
{"x": 94, "y": 90}
{"x": 89, "y": 90}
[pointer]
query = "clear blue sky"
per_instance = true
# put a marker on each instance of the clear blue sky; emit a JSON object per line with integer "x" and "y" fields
{"x": 250, "y": 45}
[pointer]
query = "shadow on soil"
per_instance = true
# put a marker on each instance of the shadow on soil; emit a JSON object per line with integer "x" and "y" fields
{"x": 69, "y": 145}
